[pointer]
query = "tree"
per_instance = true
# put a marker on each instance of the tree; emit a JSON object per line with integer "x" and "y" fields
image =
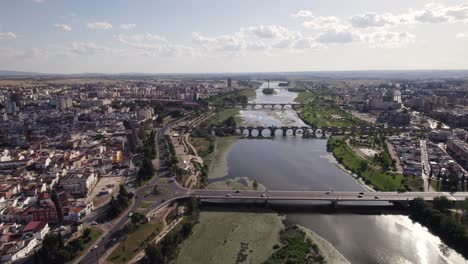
{"x": 153, "y": 254}
{"x": 159, "y": 119}
{"x": 193, "y": 207}
{"x": 363, "y": 166}
{"x": 86, "y": 232}
{"x": 230, "y": 122}
{"x": 442, "y": 203}
{"x": 255, "y": 184}
{"x": 138, "y": 218}
{"x": 465, "y": 206}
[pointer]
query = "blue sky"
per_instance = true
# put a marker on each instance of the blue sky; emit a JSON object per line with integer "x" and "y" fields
{"x": 112, "y": 36}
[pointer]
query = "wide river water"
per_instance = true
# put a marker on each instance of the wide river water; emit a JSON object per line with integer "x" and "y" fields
{"x": 294, "y": 163}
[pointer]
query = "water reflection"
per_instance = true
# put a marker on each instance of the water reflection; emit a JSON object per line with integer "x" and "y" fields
{"x": 293, "y": 163}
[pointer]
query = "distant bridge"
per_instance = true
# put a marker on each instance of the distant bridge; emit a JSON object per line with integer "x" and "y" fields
{"x": 254, "y": 106}
{"x": 309, "y": 131}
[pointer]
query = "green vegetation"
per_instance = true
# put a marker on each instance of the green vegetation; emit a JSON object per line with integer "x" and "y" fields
{"x": 370, "y": 172}
{"x": 137, "y": 237}
{"x": 230, "y": 98}
{"x": 149, "y": 148}
{"x": 295, "y": 249}
{"x": 145, "y": 205}
{"x": 298, "y": 90}
{"x": 53, "y": 250}
{"x": 238, "y": 183}
{"x": 305, "y": 97}
{"x": 231, "y": 237}
{"x": 117, "y": 206}
{"x": 145, "y": 172}
{"x": 376, "y": 142}
{"x": 203, "y": 145}
{"x": 221, "y": 116}
{"x": 249, "y": 93}
{"x": 167, "y": 249}
{"x": 441, "y": 221}
{"x": 328, "y": 115}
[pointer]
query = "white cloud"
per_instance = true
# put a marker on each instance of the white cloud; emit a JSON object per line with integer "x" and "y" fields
{"x": 268, "y": 32}
{"x": 305, "y": 43}
{"x": 387, "y": 39}
{"x": 262, "y": 37}
{"x": 325, "y": 22}
{"x": 431, "y": 13}
{"x": 335, "y": 37}
{"x": 7, "y": 35}
{"x": 100, "y": 25}
{"x": 127, "y": 26}
{"x": 302, "y": 14}
{"x": 87, "y": 48}
{"x": 39, "y": 1}
{"x": 153, "y": 45}
{"x": 430, "y": 16}
{"x": 63, "y": 27}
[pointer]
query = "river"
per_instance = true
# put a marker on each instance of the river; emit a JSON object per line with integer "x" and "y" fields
{"x": 294, "y": 163}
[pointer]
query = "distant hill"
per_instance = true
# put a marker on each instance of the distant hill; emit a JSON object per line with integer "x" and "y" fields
{"x": 371, "y": 74}
{"x": 18, "y": 74}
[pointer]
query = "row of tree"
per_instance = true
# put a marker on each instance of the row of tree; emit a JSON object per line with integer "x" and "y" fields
{"x": 439, "y": 219}
{"x": 117, "y": 205}
{"x": 54, "y": 251}
{"x": 149, "y": 148}
{"x": 451, "y": 179}
{"x": 166, "y": 250}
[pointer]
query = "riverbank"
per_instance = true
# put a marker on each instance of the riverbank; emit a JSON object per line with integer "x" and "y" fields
{"x": 232, "y": 237}
{"x": 383, "y": 181}
{"x": 217, "y": 160}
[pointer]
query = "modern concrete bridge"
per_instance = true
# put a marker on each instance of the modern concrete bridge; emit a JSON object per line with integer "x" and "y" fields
{"x": 307, "y": 131}
{"x": 247, "y": 196}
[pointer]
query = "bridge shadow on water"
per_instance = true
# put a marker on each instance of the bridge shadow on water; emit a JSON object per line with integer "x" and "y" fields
{"x": 309, "y": 208}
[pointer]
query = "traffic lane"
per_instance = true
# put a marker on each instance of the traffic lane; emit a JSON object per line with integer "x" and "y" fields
{"x": 322, "y": 195}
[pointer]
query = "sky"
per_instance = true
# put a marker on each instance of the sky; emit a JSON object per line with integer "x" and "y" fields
{"x": 199, "y": 36}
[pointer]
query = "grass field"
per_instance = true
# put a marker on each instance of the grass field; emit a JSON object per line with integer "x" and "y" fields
{"x": 231, "y": 237}
{"x": 145, "y": 205}
{"x": 201, "y": 144}
{"x": 251, "y": 94}
{"x": 384, "y": 181}
{"x": 221, "y": 116}
{"x": 134, "y": 243}
{"x": 305, "y": 97}
{"x": 321, "y": 116}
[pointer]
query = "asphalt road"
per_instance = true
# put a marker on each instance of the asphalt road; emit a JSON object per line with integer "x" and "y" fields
{"x": 116, "y": 234}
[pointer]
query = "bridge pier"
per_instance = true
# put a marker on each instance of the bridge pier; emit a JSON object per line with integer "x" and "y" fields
{"x": 272, "y": 131}
{"x": 294, "y": 129}
{"x": 260, "y": 130}
{"x": 285, "y": 131}
{"x": 250, "y": 131}
{"x": 334, "y": 204}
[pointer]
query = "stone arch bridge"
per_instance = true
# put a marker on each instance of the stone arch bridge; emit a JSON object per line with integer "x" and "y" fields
{"x": 313, "y": 132}
{"x": 254, "y": 106}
